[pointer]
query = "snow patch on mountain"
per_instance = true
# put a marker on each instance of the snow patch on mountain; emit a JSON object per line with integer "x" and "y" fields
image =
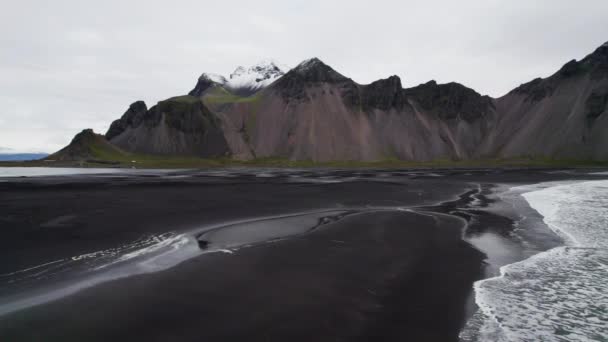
{"x": 214, "y": 78}
{"x": 249, "y": 80}
{"x": 246, "y": 81}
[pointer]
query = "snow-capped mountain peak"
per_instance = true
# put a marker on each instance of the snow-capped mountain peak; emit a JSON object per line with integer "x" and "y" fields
{"x": 246, "y": 81}
{"x": 243, "y": 81}
{"x": 239, "y": 71}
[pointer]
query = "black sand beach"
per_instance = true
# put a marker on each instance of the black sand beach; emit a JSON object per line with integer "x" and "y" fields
{"x": 396, "y": 268}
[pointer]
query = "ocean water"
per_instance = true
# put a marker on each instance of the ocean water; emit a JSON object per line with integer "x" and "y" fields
{"x": 52, "y": 171}
{"x": 560, "y": 294}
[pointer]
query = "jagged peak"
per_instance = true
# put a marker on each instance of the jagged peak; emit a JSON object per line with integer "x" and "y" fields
{"x": 215, "y": 78}
{"x": 205, "y": 82}
{"x": 316, "y": 71}
{"x": 391, "y": 79}
{"x": 84, "y": 138}
{"x": 84, "y": 134}
{"x": 434, "y": 84}
{"x": 309, "y": 63}
{"x": 595, "y": 63}
{"x": 391, "y": 83}
{"x": 138, "y": 105}
{"x": 451, "y": 100}
{"x": 602, "y": 50}
{"x": 383, "y": 94}
{"x": 243, "y": 81}
{"x": 264, "y": 65}
{"x": 130, "y": 118}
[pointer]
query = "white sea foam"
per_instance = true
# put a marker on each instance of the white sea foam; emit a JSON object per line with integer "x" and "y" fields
{"x": 558, "y": 295}
{"x": 152, "y": 254}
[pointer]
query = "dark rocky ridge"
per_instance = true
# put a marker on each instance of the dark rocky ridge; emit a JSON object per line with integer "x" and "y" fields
{"x": 310, "y": 72}
{"x": 561, "y": 116}
{"x": 450, "y": 101}
{"x": 594, "y": 64}
{"x": 131, "y": 118}
{"x": 385, "y": 94}
{"x": 203, "y": 84}
{"x": 181, "y": 125}
{"x": 186, "y": 114}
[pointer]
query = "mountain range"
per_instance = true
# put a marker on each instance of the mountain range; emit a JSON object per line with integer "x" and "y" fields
{"x": 313, "y": 112}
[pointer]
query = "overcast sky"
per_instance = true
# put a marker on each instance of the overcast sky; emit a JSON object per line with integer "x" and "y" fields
{"x": 66, "y": 65}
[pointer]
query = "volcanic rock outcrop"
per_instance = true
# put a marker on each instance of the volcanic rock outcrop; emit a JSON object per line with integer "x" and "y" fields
{"x": 177, "y": 126}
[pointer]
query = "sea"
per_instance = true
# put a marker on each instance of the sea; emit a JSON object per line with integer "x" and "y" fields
{"x": 560, "y": 294}
{"x": 53, "y": 171}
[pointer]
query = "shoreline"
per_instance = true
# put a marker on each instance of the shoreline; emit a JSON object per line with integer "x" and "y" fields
{"x": 559, "y": 272}
{"x": 398, "y": 274}
{"x": 185, "y": 162}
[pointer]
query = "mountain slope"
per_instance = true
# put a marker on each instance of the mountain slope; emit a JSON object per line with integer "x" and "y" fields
{"x": 562, "y": 116}
{"x": 312, "y": 112}
{"x": 177, "y": 126}
{"x": 86, "y": 146}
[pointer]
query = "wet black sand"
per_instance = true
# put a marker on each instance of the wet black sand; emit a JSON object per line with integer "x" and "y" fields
{"x": 383, "y": 275}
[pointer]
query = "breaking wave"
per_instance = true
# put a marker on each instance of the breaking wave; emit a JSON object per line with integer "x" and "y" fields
{"x": 560, "y": 294}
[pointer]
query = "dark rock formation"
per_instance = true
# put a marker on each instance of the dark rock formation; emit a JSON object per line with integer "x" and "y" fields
{"x": 131, "y": 118}
{"x": 203, "y": 84}
{"x": 308, "y": 73}
{"x": 384, "y": 94}
{"x": 450, "y": 101}
{"x": 185, "y": 114}
{"x": 181, "y": 125}
{"x": 596, "y": 103}
{"x": 597, "y": 63}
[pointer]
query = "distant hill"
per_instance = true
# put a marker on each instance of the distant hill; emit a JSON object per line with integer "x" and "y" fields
{"x": 21, "y": 156}
{"x": 87, "y": 145}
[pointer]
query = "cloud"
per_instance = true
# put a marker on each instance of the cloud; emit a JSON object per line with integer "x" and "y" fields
{"x": 85, "y": 37}
{"x": 69, "y": 65}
